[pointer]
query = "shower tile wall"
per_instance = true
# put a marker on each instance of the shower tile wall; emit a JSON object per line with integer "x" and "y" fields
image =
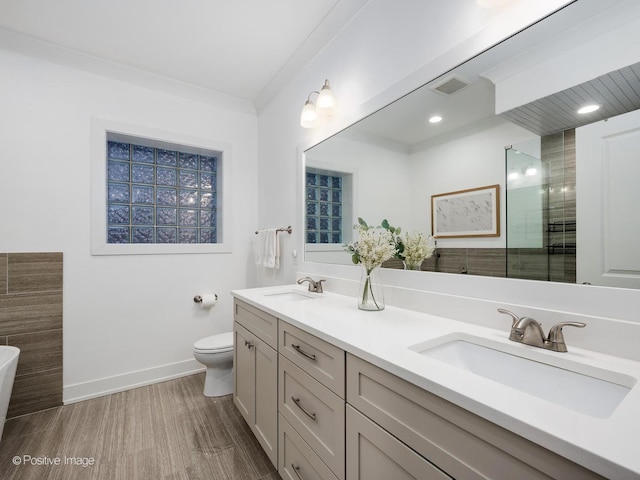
{"x": 559, "y": 154}
{"x": 31, "y": 319}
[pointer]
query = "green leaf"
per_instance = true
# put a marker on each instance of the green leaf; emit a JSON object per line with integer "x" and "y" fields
{"x": 398, "y": 231}
{"x": 392, "y": 229}
{"x": 355, "y": 259}
{"x": 385, "y": 224}
{"x": 362, "y": 222}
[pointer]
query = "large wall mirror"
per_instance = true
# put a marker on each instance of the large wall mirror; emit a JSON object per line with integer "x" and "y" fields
{"x": 568, "y": 196}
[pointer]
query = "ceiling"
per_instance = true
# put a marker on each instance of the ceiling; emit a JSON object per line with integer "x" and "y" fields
{"x": 246, "y": 49}
{"x": 616, "y": 92}
{"x": 403, "y": 125}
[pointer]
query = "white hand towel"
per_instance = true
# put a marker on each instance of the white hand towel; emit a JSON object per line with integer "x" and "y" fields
{"x": 271, "y": 254}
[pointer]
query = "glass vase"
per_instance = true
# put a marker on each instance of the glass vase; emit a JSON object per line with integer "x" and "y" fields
{"x": 412, "y": 265}
{"x": 371, "y": 295}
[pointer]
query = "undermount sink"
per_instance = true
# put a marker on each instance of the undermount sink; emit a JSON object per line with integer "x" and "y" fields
{"x": 290, "y": 296}
{"x": 590, "y": 390}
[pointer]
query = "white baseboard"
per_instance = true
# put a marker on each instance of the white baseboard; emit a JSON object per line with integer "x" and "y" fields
{"x": 127, "y": 381}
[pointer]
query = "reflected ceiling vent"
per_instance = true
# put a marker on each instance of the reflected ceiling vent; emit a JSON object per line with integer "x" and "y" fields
{"x": 451, "y": 85}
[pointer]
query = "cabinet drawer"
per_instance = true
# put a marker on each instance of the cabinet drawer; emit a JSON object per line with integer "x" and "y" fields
{"x": 375, "y": 455}
{"x": 297, "y": 460}
{"x": 457, "y": 441}
{"x": 315, "y": 412}
{"x": 321, "y": 360}
{"x": 259, "y": 323}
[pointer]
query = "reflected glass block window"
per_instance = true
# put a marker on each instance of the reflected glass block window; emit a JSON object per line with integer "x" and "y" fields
{"x": 161, "y": 195}
{"x": 324, "y": 207}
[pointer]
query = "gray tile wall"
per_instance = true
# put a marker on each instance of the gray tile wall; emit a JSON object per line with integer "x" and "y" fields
{"x": 31, "y": 319}
{"x": 488, "y": 262}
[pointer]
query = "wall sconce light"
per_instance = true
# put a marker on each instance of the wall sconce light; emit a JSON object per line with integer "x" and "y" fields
{"x": 325, "y": 106}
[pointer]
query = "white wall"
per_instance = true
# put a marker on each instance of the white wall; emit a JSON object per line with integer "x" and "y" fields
{"x": 398, "y": 186}
{"x": 476, "y": 160}
{"x": 127, "y": 319}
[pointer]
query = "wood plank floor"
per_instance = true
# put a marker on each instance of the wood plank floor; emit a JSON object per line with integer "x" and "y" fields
{"x": 167, "y": 431}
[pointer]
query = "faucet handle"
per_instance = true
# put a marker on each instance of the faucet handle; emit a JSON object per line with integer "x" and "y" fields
{"x": 319, "y": 285}
{"x": 513, "y": 316}
{"x": 557, "y": 338}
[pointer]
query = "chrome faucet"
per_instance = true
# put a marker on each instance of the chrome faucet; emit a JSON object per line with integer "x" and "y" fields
{"x": 529, "y": 331}
{"x": 314, "y": 286}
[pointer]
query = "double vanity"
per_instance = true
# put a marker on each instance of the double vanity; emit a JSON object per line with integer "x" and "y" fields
{"x": 332, "y": 392}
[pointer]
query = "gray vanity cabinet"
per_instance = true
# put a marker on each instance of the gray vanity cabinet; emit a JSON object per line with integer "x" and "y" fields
{"x": 256, "y": 374}
{"x": 323, "y": 414}
{"x": 458, "y": 442}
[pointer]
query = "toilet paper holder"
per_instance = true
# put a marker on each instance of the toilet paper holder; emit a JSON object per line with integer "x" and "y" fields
{"x": 198, "y": 298}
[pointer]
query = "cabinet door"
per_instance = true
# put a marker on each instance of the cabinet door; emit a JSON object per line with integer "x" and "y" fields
{"x": 244, "y": 375}
{"x": 374, "y": 454}
{"x": 266, "y": 398}
{"x": 256, "y": 388}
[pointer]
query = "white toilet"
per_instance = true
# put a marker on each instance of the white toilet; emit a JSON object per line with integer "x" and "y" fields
{"x": 216, "y": 353}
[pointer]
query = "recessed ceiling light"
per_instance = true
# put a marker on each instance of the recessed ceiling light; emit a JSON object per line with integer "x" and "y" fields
{"x": 531, "y": 171}
{"x": 435, "y": 119}
{"x": 588, "y": 109}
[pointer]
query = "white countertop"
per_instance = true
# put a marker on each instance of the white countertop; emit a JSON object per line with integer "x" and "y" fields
{"x": 608, "y": 446}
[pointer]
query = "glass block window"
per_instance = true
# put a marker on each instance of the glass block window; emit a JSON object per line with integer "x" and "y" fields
{"x": 324, "y": 193}
{"x": 161, "y": 195}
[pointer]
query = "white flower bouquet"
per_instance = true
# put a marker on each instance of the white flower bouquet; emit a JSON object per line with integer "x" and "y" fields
{"x": 374, "y": 246}
{"x": 417, "y": 248}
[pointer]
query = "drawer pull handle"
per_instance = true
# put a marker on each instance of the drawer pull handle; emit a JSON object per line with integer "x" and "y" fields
{"x": 295, "y": 470}
{"x": 312, "y": 416}
{"x": 248, "y": 344}
{"x": 302, "y": 352}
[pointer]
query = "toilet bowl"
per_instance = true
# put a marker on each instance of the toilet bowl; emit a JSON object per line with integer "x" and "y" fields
{"x": 216, "y": 353}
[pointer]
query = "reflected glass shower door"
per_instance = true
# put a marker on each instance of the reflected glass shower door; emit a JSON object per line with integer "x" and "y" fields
{"x": 527, "y": 213}
{"x": 541, "y": 208}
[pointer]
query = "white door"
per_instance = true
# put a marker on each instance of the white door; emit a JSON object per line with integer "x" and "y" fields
{"x": 608, "y": 202}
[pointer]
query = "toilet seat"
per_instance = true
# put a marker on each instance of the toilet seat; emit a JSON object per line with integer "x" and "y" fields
{"x": 223, "y": 342}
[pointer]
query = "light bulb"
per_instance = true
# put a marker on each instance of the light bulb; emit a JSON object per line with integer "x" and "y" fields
{"x": 588, "y": 109}
{"x": 326, "y": 102}
{"x": 309, "y": 116}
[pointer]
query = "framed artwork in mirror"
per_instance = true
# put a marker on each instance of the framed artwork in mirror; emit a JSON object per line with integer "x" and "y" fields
{"x": 474, "y": 212}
